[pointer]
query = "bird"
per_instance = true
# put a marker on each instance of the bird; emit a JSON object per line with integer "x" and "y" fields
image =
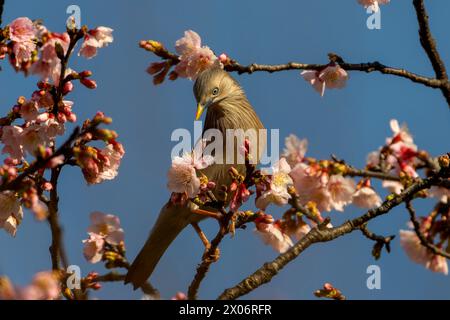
{"x": 227, "y": 107}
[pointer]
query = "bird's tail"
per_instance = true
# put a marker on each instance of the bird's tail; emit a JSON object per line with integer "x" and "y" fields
{"x": 171, "y": 221}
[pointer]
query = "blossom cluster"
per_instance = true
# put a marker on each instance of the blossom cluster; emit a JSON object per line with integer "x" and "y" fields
{"x": 29, "y": 131}
{"x": 104, "y": 232}
{"x": 44, "y": 286}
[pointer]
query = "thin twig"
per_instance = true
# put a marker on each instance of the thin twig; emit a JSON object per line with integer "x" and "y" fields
{"x": 368, "y": 67}
{"x": 2, "y": 4}
{"x": 420, "y": 235}
{"x": 57, "y": 250}
{"x": 352, "y": 172}
{"x": 146, "y": 288}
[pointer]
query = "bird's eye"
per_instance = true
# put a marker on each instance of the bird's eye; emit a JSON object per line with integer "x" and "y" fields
{"x": 215, "y": 91}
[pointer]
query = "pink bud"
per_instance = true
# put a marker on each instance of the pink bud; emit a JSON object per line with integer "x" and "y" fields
{"x": 68, "y": 87}
{"x": 85, "y": 74}
{"x": 61, "y": 117}
{"x": 88, "y": 83}
{"x": 223, "y": 58}
{"x": 42, "y": 117}
{"x": 72, "y": 117}
{"x": 47, "y": 186}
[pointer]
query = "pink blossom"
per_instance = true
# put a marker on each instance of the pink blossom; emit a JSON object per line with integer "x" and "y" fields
{"x": 299, "y": 230}
{"x": 45, "y": 286}
{"x": 241, "y": 195}
{"x": 332, "y": 77}
{"x": 29, "y": 111}
{"x": 108, "y": 226}
{"x": 314, "y": 183}
{"x": 420, "y": 254}
{"x": 93, "y": 247}
{"x": 22, "y": 53}
{"x": 22, "y": 30}
{"x": 373, "y": 4}
{"x": 7, "y": 290}
{"x": 179, "y": 296}
{"x": 11, "y": 213}
{"x": 11, "y": 138}
{"x": 295, "y": 149}
{"x": 182, "y": 176}
{"x": 341, "y": 191}
{"x": 401, "y": 156}
{"x": 111, "y": 164}
{"x": 193, "y": 57}
{"x": 56, "y": 161}
{"x": 49, "y": 65}
{"x": 277, "y": 191}
{"x": 272, "y": 235}
{"x": 95, "y": 39}
{"x": 366, "y": 197}
{"x": 310, "y": 183}
{"x": 442, "y": 194}
{"x": 32, "y": 137}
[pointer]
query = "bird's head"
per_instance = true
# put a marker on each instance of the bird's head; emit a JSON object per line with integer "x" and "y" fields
{"x": 212, "y": 86}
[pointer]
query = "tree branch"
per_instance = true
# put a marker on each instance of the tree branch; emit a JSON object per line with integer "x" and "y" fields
{"x": 57, "y": 250}
{"x": 429, "y": 45}
{"x": 352, "y": 172}
{"x": 146, "y": 288}
{"x": 2, "y": 4}
{"x": 323, "y": 234}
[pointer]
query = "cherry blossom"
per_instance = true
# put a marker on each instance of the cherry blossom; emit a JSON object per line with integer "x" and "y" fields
{"x": 401, "y": 156}
{"x": 182, "y": 175}
{"x": 44, "y": 286}
{"x": 442, "y": 194}
{"x": 298, "y": 229}
{"x": 93, "y": 247}
{"x": 373, "y": 4}
{"x": 104, "y": 229}
{"x": 194, "y": 58}
{"x": 295, "y": 149}
{"x": 97, "y": 38}
{"x": 11, "y": 213}
{"x": 100, "y": 165}
{"x": 420, "y": 254}
{"x": 276, "y": 192}
{"x": 366, "y": 197}
{"x": 332, "y": 77}
{"x": 108, "y": 226}
{"x": 179, "y": 296}
{"x": 271, "y": 234}
{"x": 22, "y": 30}
{"x": 49, "y": 65}
{"x": 11, "y": 138}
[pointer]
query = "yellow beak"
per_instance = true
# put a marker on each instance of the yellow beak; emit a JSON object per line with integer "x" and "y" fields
{"x": 200, "y": 109}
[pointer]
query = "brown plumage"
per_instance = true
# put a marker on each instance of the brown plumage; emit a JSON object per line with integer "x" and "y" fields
{"x": 226, "y": 107}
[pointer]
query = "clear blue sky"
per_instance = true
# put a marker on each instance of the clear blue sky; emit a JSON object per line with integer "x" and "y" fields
{"x": 349, "y": 123}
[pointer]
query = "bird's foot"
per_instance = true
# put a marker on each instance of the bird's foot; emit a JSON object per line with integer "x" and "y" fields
{"x": 211, "y": 256}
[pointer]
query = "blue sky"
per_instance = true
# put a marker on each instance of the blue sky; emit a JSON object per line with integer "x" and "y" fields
{"x": 349, "y": 123}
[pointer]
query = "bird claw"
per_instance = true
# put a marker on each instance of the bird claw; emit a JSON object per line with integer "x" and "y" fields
{"x": 211, "y": 256}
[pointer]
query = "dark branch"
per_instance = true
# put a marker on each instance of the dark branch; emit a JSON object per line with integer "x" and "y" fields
{"x": 2, "y": 4}
{"x": 352, "y": 172}
{"x": 146, "y": 288}
{"x": 429, "y": 45}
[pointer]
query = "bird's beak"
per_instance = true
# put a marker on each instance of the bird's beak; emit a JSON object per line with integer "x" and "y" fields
{"x": 200, "y": 109}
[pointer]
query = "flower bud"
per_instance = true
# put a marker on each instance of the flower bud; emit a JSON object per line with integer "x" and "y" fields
{"x": 88, "y": 83}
